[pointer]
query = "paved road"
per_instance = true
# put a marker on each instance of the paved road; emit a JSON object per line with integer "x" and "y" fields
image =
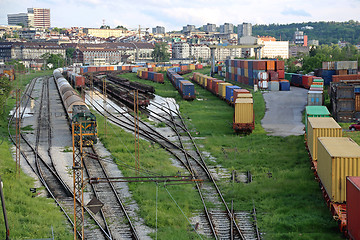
{"x": 283, "y": 114}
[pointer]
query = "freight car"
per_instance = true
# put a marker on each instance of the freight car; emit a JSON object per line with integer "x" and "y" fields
{"x": 152, "y": 76}
{"x": 185, "y": 88}
{"x": 77, "y": 111}
{"x": 333, "y": 158}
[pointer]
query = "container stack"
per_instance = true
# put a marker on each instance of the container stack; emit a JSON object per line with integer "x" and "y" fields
{"x": 251, "y": 72}
{"x": 353, "y": 206}
{"x": 335, "y": 71}
{"x": 7, "y": 71}
{"x": 343, "y": 100}
{"x": 316, "y": 92}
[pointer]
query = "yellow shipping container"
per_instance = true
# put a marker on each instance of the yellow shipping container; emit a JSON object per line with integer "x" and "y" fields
{"x": 321, "y": 127}
{"x": 222, "y": 89}
{"x": 246, "y": 72}
{"x": 337, "y": 159}
{"x": 245, "y": 95}
{"x": 192, "y": 67}
{"x": 244, "y": 110}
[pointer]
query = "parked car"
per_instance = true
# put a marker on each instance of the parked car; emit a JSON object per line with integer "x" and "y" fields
{"x": 355, "y": 127}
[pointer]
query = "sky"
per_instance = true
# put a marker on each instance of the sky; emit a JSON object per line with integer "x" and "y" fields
{"x": 174, "y": 14}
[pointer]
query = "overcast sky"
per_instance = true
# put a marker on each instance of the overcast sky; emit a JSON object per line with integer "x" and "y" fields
{"x": 173, "y": 14}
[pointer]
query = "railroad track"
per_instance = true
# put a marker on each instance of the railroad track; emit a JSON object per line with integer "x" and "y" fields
{"x": 221, "y": 222}
{"x": 44, "y": 168}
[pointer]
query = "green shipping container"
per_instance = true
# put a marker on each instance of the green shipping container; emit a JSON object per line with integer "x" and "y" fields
{"x": 315, "y": 111}
{"x": 288, "y": 76}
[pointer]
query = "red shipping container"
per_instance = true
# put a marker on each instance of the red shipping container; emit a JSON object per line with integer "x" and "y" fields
{"x": 227, "y": 75}
{"x": 159, "y": 77}
{"x": 246, "y": 80}
{"x": 270, "y": 65}
{"x": 261, "y": 65}
{"x": 241, "y": 63}
{"x": 255, "y": 65}
{"x": 150, "y": 69}
{"x": 281, "y": 74}
{"x": 273, "y": 76}
{"x": 184, "y": 68}
{"x": 238, "y": 78}
{"x": 215, "y": 86}
{"x": 145, "y": 75}
{"x": 209, "y": 83}
{"x": 338, "y": 78}
{"x": 79, "y": 81}
{"x": 353, "y": 206}
{"x": 176, "y": 65}
{"x": 239, "y": 91}
{"x": 280, "y": 65}
{"x": 307, "y": 81}
{"x": 233, "y": 77}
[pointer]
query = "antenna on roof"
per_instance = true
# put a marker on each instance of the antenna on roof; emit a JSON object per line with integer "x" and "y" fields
{"x": 103, "y": 22}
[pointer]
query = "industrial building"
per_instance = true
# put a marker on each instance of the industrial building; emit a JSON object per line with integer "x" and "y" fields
{"x": 104, "y": 33}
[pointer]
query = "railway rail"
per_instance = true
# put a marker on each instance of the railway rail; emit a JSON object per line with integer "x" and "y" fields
{"x": 219, "y": 219}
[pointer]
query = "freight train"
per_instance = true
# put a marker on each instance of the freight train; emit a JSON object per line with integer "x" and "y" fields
{"x": 152, "y": 76}
{"x": 185, "y": 87}
{"x": 241, "y": 99}
{"x": 334, "y": 158}
{"x": 77, "y": 111}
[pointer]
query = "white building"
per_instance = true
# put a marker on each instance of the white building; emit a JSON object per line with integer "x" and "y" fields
{"x": 180, "y": 50}
{"x": 200, "y": 51}
{"x": 274, "y": 49}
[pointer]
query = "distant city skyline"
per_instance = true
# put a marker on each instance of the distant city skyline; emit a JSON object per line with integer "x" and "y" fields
{"x": 174, "y": 14}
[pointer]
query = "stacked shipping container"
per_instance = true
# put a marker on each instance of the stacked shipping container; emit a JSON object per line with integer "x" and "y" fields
{"x": 249, "y": 72}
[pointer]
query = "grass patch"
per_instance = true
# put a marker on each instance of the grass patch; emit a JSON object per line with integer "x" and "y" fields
{"x": 288, "y": 199}
{"x": 171, "y": 223}
{"x": 29, "y": 216}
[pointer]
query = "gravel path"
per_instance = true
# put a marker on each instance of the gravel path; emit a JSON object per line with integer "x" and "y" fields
{"x": 283, "y": 116}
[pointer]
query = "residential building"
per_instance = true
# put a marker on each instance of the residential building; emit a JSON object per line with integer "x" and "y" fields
{"x": 41, "y": 17}
{"x": 200, "y": 51}
{"x": 208, "y": 28}
{"x": 180, "y": 50}
{"x": 89, "y": 56}
{"x": 227, "y": 28}
{"x": 104, "y": 33}
{"x": 188, "y": 28}
{"x": 244, "y": 29}
{"x": 158, "y": 30}
{"x": 25, "y": 19}
{"x": 313, "y": 42}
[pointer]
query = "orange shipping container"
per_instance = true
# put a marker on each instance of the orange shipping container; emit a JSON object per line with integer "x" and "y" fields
{"x": 357, "y": 102}
{"x": 270, "y": 65}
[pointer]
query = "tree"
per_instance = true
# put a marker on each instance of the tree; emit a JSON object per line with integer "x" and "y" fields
{"x": 122, "y": 27}
{"x": 70, "y": 53}
{"x": 105, "y": 27}
{"x": 160, "y": 52}
{"x": 55, "y": 59}
{"x": 18, "y": 66}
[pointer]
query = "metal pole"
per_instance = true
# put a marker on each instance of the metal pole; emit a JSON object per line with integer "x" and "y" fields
{"x": 231, "y": 220}
{"x": 4, "y": 210}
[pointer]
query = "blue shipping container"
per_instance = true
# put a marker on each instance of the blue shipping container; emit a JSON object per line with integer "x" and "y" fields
{"x": 284, "y": 86}
{"x": 188, "y": 89}
{"x": 296, "y": 79}
{"x": 230, "y": 92}
{"x": 327, "y": 76}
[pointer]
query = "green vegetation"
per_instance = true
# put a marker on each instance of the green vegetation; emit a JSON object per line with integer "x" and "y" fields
{"x": 325, "y": 32}
{"x": 160, "y": 53}
{"x": 30, "y": 215}
{"x": 55, "y": 59}
{"x": 288, "y": 200}
{"x": 171, "y": 222}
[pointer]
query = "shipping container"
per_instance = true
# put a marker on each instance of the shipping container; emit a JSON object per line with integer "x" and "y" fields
{"x": 315, "y": 98}
{"x": 274, "y": 86}
{"x": 281, "y": 74}
{"x": 244, "y": 111}
{"x": 344, "y": 78}
{"x": 270, "y": 65}
{"x": 357, "y": 102}
{"x": 315, "y": 111}
{"x": 296, "y": 79}
{"x": 320, "y": 127}
{"x": 280, "y": 65}
{"x": 240, "y": 91}
{"x": 353, "y": 207}
{"x": 307, "y": 81}
{"x": 327, "y": 76}
{"x": 338, "y": 158}
{"x": 229, "y": 95}
{"x": 222, "y": 89}
{"x": 328, "y": 65}
{"x": 345, "y": 105}
{"x": 215, "y": 86}
{"x": 284, "y": 85}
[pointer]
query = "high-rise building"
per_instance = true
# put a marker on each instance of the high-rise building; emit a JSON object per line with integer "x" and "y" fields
{"x": 209, "y": 27}
{"x": 25, "y": 19}
{"x": 35, "y": 17}
{"x": 227, "y": 28}
{"x": 158, "y": 30}
{"x": 300, "y": 38}
{"x": 41, "y": 17}
{"x": 244, "y": 29}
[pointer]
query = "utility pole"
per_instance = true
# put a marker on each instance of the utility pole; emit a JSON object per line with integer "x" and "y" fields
{"x": 136, "y": 131}
{"x": 78, "y": 177}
